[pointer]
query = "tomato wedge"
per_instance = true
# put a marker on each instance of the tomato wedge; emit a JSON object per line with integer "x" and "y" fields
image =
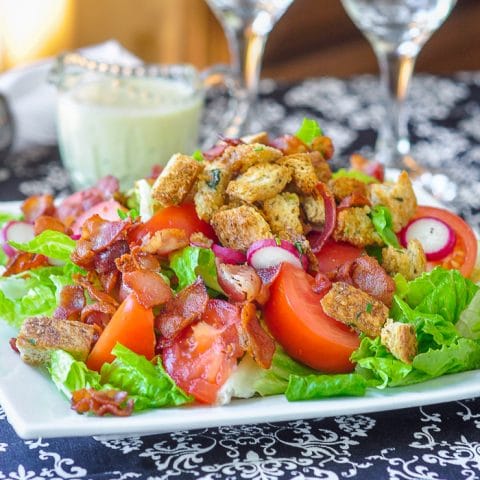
{"x": 297, "y": 321}
{"x": 182, "y": 216}
{"x": 334, "y": 254}
{"x": 464, "y": 254}
{"x": 132, "y": 326}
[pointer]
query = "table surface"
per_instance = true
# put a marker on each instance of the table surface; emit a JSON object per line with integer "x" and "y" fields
{"x": 433, "y": 442}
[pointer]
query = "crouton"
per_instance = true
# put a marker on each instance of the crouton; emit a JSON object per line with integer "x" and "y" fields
{"x": 165, "y": 241}
{"x": 177, "y": 178}
{"x": 314, "y": 208}
{"x": 398, "y": 197}
{"x": 343, "y": 187}
{"x": 355, "y": 308}
{"x": 304, "y": 176}
{"x": 259, "y": 182}
{"x": 321, "y": 167}
{"x": 260, "y": 137}
{"x": 355, "y": 226}
{"x": 410, "y": 262}
{"x": 211, "y": 187}
{"x": 40, "y": 336}
{"x": 324, "y": 146}
{"x": 400, "y": 339}
{"x": 282, "y": 212}
{"x": 241, "y": 157}
{"x": 239, "y": 227}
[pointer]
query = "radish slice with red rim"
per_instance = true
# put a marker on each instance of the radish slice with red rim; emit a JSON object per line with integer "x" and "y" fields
{"x": 16, "y": 231}
{"x": 268, "y": 253}
{"x": 437, "y": 238}
{"x": 229, "y": 255}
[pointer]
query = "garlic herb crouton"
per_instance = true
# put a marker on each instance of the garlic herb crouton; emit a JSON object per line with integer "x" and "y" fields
{"x": 343, "y": 187}
{"x": 40, "y": 336}
{"x": 355, "y": 226}
{"x": 176, "y": 180}
{"x": 355, "y": 308}
{"x": 304, "y": 176}
{"x": 410, "y": 262}
{"x": 239, "y": 227}
{"x": 398, "y": 197}
{"x": 321, "y": 167}
{"x": 314, "y": 208}
{"x": 400, "y": 339}
{"x": 241, "y": 157}
{"x": 210, "y": 194}
{"x": 282, "y": 212}
{"x": 259, "y": 182}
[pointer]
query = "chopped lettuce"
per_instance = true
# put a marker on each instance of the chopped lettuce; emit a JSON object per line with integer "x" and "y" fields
{"x": 469, "y": 323}
{"x": 198, "y": 156}
{"x": 355, "y": 174}
{"x": 382, "y": 221}
{"x": 191, "y": 262}
{"x": 311, "y": 387}
{"x": 309, "y": 130}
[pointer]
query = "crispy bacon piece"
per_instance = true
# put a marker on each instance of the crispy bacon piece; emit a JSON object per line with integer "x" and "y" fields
{"x": 23, "y": 261}
{"x": 102, "y": 233}
{"x": 71, "y": 303}
{"x": 98, "y": 313}
{"x": 104, "y": 261}
{"x": 137, "y": 259}
{"x": 93, "y": 291}
{"x": 113, "y": 402}
{"x": 356, "y": 199}
{"x": 36, "y": 206}
{"x": 289, "y": 145}
{"x": 149, "y": 287}
{"x": 239, "y": 282}
{"x": 322, "y": 283}
{"x": 366, "y": 274}
{"x": 109, "y": 281}
{"x": 253, "y": 338}
{"x": 165, "y": 241}
{"x": 215, "y": 151}
{"x": 47, "y": 222}
{"x": 198, "y": 239}
{"x": 182, "y": 310}
{"x": 83, "y": 255}
{"x": 324, "y": 146}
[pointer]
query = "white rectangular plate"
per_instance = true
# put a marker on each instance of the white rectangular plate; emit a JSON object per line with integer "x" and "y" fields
{"x": 35, "y": 408}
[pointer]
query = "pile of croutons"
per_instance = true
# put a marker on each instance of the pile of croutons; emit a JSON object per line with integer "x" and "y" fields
{"x": 252, "y": 191}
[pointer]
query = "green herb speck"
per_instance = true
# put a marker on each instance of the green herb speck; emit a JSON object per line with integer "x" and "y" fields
{"x": 369, "y": 308}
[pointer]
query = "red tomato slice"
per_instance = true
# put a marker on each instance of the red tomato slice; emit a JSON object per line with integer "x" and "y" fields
{"x": 202, "y": 358}
{"x": 296, "y": 319}
{"x": 464, "y": 254}
{"x": 182, "y": 216}
{"x": 132, "y": 326}
{"x": 334, "y": 254}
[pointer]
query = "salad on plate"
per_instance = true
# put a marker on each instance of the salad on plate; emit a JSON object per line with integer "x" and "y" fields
{"x": 249, "y": 269}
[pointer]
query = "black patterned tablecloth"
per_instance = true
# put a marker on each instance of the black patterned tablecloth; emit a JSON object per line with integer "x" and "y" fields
{"x": 432, "y": 442}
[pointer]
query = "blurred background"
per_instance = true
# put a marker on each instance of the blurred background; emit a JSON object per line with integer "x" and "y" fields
{"x": 314, "y": 38}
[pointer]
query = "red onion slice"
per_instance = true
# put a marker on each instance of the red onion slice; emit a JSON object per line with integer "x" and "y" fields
{"x": 318, "y": 239}
{"x": 437, "y": 237}
{"x": 229, "y": 255}
{"x": 269, "y": 252}
{"x": 15, "y": 231}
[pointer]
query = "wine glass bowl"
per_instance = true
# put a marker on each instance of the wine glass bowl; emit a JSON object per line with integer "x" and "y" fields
{"x": 397, "y": 30}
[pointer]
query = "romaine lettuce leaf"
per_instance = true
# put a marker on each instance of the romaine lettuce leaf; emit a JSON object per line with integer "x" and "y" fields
{"x": 469, "y": 323}
{"x": 309, "y": 130}
{"x": 147, "y": 383}
{"x": 355, "y": 174}
{"x": 193, "y": 261}
{"x": 382, "y": 221}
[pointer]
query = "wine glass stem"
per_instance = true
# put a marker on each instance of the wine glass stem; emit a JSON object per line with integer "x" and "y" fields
{"x": 395, "y": 73}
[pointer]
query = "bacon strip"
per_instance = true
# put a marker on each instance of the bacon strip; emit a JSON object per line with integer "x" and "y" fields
{"x": 98, "y": 313}
{"x": 71, "y": 303}
{"x": 367, "y": 274}
{"x": 322, "y": 284}
{"x": 104, "y": 261}
{"x": 253, "y": 337}
{"x": 149, "y": 287}
{"x": 94, "y": 292}
{"x": 113, "y": 402}
{"x": 356, "y": 199}
{"x": 102, "y": 233}
{"x": 165, "y": 241}
{"x": 239, "y": 282}
{"x": 36, "y": 206}
{"x": 24, "y": 261}
{"x": 47, "y": 222}
{"x": 184, "y": 309}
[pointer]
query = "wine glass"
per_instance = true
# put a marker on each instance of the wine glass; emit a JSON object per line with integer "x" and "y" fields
{"x": 246, "y": 24}
{"x": 397, "y": 30}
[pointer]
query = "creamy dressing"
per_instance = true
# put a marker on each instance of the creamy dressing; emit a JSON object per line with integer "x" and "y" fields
{"x": 125, "y": 126}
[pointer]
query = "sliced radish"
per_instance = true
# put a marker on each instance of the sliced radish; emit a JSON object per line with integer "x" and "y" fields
{"x": 437, "y": 238}
{"x": 229, "y": 255}
{"x": 270, "y": 252}
{"x": 16, "y": 231}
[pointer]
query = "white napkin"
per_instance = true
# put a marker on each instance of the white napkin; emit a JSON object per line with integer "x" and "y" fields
{"x": 32, "y": 99}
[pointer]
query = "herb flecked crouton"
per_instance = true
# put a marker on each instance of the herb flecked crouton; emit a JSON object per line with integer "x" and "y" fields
{"x": 343, "y": 187}
{"x": 355, "y": 308}
{"x": 241, "y": 157}
{"x": 282, "y": 212}
{"x": 321, "y": 167}
{"x": 176, "y": 180}
{"x": 355, "y": 226}
{"x": 304, "y": 176}
{"x": 410, "y": 262}
{"x": 40, "y": 336}
{"x": 210, "y": 194}
{"x": 400, "y": 339}
{"x": 314, "y": 208}
{"x": 259, "y": 182}
{"x": 239, "y": 227}
{"x": 398, "y": 197}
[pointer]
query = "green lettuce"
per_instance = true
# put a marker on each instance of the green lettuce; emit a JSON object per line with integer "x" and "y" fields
{"x": 309, "y": 130}
{"x": 147, "y": 383}
{"x": 355, "y": 174}
{"x": 468, "y": 324}
{"x": 191, "y": 262}
{"x": 382, "y": 221}
{"x": 4, "y": 218}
